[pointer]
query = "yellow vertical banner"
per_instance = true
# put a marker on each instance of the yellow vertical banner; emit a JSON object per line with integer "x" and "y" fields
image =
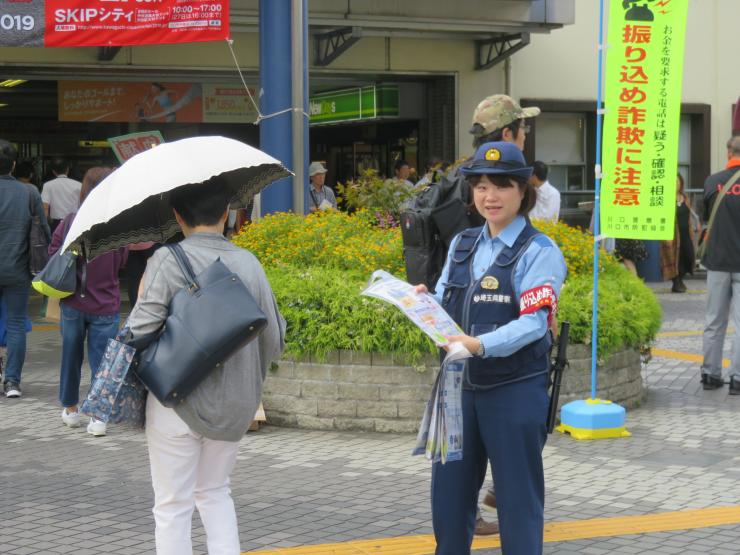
{"x": 642, "y": 99}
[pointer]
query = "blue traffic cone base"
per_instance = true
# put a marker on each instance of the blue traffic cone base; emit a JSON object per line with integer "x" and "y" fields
{"x": 593, "y": 419}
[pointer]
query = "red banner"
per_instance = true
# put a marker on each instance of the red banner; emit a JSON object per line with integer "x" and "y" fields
{"x": 134, "y": 22}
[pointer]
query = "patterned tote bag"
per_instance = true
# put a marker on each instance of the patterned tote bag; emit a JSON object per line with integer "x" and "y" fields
{"x": 116, "y": 395}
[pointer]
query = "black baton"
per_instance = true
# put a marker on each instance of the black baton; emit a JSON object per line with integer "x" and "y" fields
{"x": 561, "y": 361}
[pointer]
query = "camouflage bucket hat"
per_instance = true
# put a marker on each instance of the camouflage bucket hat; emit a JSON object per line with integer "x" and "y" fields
{"x": 497, "y": 111}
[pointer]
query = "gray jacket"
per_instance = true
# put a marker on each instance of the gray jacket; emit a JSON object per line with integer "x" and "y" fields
{"x": 16, "y": 201}
{"x": 224, "y": 404}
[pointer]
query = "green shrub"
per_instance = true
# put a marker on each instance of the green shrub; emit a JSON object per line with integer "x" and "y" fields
{"x": 629, "y": 313}
{"x": 328, "y": 239}
{"x": 577, "y": 247}
{"x": 319, "y": 264}
{"x": 382, "y": 197}
{"x": 325, "y": 312}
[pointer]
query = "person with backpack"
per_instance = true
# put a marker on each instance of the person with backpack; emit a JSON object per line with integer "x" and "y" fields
{"x": 500, "y": 283}
{"x": 443, "y": 210}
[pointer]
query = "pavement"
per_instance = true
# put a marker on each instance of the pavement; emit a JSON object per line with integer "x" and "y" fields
{"x": 670, "y": 488}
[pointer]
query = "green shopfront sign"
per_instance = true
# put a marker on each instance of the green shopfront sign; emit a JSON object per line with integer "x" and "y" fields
{"x": 366, "y": 103}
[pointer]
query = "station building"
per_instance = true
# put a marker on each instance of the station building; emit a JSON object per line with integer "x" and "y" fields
{"x": 388, "y": 80}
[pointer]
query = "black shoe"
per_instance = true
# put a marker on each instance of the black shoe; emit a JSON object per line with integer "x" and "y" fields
{"x": 734, "y": 386}
{"x": 712, "y": 382}
{"x": 12, "y": 389}
{"x": 678, "y": 285}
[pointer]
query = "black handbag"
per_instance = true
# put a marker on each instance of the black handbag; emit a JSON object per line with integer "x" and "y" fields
{"x": 209, "y": 319}
{"x": 38, "y": 244}
{"x": 58, "y": 278}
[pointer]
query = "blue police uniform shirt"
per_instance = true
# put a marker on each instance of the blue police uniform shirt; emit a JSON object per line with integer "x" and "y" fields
{"x": 539, "y": 265}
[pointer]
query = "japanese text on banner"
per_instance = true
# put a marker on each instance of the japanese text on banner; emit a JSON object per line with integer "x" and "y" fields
{"x": 112, "y": 22}
{"x": 128, "y": 146}
{"x": 641, "y": 126}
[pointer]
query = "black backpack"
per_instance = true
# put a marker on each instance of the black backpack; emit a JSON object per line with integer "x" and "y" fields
{"x": 437, "y": 214}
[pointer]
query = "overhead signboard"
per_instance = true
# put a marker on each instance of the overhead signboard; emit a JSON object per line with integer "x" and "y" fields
{"x": 365, "y": 103}
{"x": 153, "y": 102}
{"x": 641, "y": 124}
{"x": 111, "y": 22}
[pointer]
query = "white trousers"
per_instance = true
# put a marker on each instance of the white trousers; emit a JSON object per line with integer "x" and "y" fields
{"x": 189, "y": 471}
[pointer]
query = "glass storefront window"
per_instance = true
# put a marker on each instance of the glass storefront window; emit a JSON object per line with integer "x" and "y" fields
{"x": 561, "y": 144}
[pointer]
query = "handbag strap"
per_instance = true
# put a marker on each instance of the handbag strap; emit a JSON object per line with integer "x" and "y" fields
{"x": 185, "y": 267}
{"x": 313, "y": 195}
{"x": 720, "y": 196}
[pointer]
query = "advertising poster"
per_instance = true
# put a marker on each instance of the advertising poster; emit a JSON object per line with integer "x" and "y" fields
{"x": 228, "y": 104}
{"x": 50, "y": 23}
{"x": 129, "y": 102}
{"x": 153, "y": 102}
{"x": 644, "y": 68}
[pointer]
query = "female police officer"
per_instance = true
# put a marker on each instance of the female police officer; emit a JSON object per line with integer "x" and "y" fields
{"x": 500, "y": 284}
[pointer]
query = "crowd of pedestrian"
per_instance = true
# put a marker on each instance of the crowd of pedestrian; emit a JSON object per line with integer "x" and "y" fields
{"x": 90, "y": 314}
{"x": 193, "y": 446}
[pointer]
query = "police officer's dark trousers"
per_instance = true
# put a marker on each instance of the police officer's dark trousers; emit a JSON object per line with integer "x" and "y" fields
{"x": 505, "y": 424}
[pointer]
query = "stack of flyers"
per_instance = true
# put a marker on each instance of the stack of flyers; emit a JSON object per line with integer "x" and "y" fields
{"x": 440, "y": 435}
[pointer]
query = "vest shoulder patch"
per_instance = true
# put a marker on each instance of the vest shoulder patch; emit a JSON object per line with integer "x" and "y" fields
{"x": 542, "y": 241}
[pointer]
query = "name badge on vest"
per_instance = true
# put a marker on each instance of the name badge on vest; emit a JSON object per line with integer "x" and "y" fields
{"x": 489, "y": 282}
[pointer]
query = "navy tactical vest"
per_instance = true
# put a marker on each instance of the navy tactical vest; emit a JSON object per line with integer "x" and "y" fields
{"x": 481, "y": 306}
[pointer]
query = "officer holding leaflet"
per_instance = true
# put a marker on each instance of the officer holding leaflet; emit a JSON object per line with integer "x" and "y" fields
{"x": 500, "y": 283}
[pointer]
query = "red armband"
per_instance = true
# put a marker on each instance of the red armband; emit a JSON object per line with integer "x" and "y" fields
{"x": 539, "y": 297}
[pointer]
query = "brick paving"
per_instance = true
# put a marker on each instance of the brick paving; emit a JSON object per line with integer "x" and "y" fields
{"x": 67, "y": 492}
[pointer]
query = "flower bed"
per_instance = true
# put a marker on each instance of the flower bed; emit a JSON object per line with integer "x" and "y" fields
{"x": 353, "y": 362}
{"x": 318, "y": 265}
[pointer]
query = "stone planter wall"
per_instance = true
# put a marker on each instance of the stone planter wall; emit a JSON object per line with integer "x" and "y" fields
{"x": 358, "y": 391}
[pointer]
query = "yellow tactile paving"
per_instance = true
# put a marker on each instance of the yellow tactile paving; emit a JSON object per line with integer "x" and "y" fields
{"x": 691, "y": 357}
{"x": 554, "y": 532}
{"x": 688, "y": 292}
{"x": 691, "y": 333}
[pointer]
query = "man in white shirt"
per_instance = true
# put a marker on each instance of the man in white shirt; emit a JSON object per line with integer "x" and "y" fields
{"x": 402, "y": 171}
{"x": 61, "y": 195}
{"x": 548, "y": 197}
